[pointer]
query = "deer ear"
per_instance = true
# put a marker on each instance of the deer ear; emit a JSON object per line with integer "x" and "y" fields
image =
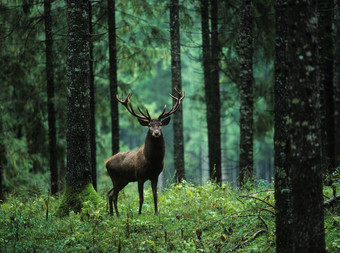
{"x": 143, "y": 122}
{"x": 166, "y": 121}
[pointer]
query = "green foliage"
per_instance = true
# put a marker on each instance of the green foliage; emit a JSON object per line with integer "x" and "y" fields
{"x": 73, "y": 199}
{"x": 143, "y": 48}
{"x": 207, "y": 218}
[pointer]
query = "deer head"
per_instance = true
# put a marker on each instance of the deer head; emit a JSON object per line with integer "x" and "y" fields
{"x": 155, "y": 125}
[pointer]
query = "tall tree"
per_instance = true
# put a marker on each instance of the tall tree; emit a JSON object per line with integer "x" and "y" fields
{"x": 325, "y": 8}
{"x": 304, "y": 158}
{"x": 2, "y": 159}
{"x": 246, "y": 92}
{"x": 281, "y": 134}
{"x": 92, "y": 104}
{"x": 177, "y": 84}
{"x": 113, "y": 74}
{"x": 336, "y": 79}
{"x": 50, "y": 98}
{"x": 78, "y": 176}
{"x": 211, "y": 85}
{"x": 215, "y": 115}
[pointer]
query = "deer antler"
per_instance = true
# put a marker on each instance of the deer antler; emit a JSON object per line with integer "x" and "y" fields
{"x": 175, "y": 106}
{"x": 127, "y": 103}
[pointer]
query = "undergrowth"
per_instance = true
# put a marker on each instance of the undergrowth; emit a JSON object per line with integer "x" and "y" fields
{"x": 191, "y": 218}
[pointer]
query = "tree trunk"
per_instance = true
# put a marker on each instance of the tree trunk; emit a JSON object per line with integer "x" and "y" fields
{"x": 113, "y": 75}
{"x": 326, "y": 85}
{"x": 92, "y": 105}
{"x": 78, "y": 175}
{"x": 177, "y": 83}
{"x": 246, "y": 93}
{"x": 304, "y": 158}
{"x": 281, "y": 135}
{"x": 215, "y": 108}
{"x": 211, "y": 85}
{"x": 3, "y": 160}
{"x": 50, "y": 98}
{"x": 336, "y": 80}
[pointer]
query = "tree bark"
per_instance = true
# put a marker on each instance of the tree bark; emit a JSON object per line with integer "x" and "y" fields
{"x": 113, "y": 75}
{"x": 305, "y": 160}
{"x": 177, "y": 83}
{"x": 78, "y": 175}
{"x": 281, "y": 135}
{"x": 210, "y": 52}
{"x": 246, "y": 93}
{"x": 50, "y": 99}
{"x": 215, "y": 114}
{"x": 326, "y": 85}
{"x": 3, "y": 160}
{"x": 336, "y": 80}
{"x": 92, "y": 105}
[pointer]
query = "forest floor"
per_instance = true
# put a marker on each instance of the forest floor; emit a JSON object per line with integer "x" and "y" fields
{"x": 191, "y": 218}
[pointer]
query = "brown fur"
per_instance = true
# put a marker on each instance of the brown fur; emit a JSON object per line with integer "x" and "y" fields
{"x": 145, "y": 163}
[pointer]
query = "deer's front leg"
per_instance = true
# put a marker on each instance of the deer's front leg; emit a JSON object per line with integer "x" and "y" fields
{"x": 141, "y": 197}
{"x": 154, "y": 192}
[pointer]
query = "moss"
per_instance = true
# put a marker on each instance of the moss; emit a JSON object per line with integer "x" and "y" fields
{"x": 74, "y": 198}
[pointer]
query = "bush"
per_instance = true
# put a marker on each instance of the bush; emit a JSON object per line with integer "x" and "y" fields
{"x": 191, "y": 218}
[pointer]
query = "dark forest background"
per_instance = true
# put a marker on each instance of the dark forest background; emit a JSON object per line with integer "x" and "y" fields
{"x": 144, "y": 68}
{"x": 261, "y": 80}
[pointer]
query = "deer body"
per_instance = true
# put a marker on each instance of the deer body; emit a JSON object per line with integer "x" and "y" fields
{"x": 145, "y": 163}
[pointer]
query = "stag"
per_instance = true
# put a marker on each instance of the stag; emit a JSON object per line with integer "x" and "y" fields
{"x": 145, "y": 163}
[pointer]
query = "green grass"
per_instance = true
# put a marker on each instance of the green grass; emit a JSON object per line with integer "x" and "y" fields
{"x": 191, "y": 218}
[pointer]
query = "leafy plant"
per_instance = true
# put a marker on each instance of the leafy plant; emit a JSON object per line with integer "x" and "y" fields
{"x": 208, "y": 218}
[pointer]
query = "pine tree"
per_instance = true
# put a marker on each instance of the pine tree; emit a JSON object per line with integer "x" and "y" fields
{"x": 210, "y": 52}
{"x": 336, "y": 79}
{"x": 50, "y": 98}
{"x": 281, "y": 135}
{"x": 246, "y": 92}
{"x": 78, "y": 176}
{"x": 325, "y": 8}
{"x": 113, "y": 74}
{"x": 177, "y": 84}
{"x": 92, "y": 104}
{"x": 305, "y": 153}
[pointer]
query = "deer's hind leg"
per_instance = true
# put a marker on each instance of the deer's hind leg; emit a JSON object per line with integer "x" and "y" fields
{"x": 110, "y": 196}
{"x": 113, "y": 196}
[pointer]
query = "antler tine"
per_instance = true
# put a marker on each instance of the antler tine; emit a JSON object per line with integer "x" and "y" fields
{"x": 175, "y": 106}
{"x": 178, "y": 92}
{"x": 127, "y": 103}
{"x": 147, "y": 112}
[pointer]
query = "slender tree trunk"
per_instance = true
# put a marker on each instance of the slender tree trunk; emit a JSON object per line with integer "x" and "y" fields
{"x": 215, "y": 116}
{"x": 3, "y": 160}
{"x": 281, "y": 135}
{"x": 50, "y": 98}
{"x": 78, "y": 175}
{"x": 304, "y": 159}
{"x": 211, "y": 85}
{"x": 92, "y": 105}
{"x": 246, "y": 93}
{"x": 113, "y": 75}
{"x": 325, "y": 8}
{"x": 336, "y": 80}
{"x": 177, "y": 83}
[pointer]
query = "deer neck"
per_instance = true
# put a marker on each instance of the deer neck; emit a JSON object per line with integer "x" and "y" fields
{"x": 154, "y": 148}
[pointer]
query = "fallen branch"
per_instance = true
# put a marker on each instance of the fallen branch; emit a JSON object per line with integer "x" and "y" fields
{"x": 251, "y": 197}
{"x": 250, "y": 239}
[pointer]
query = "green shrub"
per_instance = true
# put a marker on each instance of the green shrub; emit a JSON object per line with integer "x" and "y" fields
{"x": 191, "y": 218}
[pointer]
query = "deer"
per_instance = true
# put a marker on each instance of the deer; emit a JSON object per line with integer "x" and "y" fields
{"x": 145, "y": 163}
